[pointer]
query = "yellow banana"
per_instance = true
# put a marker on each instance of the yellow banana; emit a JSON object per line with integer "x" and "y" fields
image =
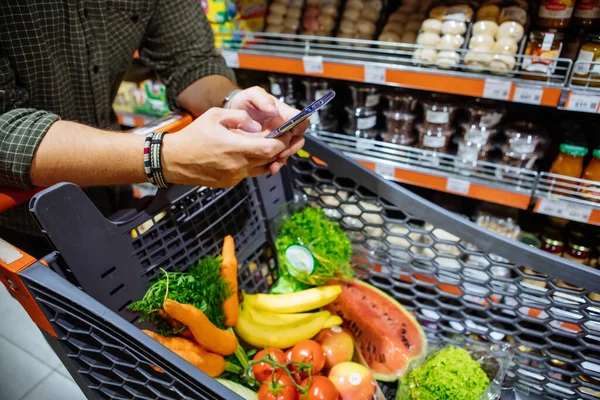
{"x": 334, "y": 320}
{"x": 272, "y": 319}
{"x": 305, "y": 300}
{"x": 280, "y": 337}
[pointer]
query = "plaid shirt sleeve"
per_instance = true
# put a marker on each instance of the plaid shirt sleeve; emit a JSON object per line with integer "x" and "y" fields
{"x": 179, "y": 46}
{"x": 21, "y": 130}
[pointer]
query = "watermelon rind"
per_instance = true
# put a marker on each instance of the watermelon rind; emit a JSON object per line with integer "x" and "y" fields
{"x": 393, "y": 303}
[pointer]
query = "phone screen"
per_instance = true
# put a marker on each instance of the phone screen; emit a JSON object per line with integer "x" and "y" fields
{"x": 302, "y": 115}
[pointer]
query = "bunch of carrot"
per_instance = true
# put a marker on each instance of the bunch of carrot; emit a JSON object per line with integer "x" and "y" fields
{"x": 203, "y": 344}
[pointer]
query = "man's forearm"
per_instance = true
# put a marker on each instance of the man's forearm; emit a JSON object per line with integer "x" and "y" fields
{"x": 71, "y": 152}
{"x": 205, "y": 93}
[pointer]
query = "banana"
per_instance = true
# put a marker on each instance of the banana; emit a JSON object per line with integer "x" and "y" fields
{"x": 297, "y": 302}
{"x": 334, "y": 320}
{"x": 275, "y": 320}
{"x": 281, "y": 337}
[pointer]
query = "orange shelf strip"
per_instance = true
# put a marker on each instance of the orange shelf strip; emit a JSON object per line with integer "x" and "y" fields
{"x": 480, "y": 192}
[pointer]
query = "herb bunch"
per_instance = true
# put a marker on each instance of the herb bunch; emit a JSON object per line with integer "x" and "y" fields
{"x": 201, "y": 286}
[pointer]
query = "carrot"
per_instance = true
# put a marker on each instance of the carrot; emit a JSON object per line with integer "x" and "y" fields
{"x": 184, "y": 331}
{"x": 211, "y": 364}
{"x": 206, "y": 334}
{"x": 229, "y": 272}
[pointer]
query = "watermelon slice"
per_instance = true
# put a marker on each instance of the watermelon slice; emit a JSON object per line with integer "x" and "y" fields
{"x": 387, "y": 335}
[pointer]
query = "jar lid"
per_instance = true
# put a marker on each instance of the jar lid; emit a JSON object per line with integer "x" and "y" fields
{"x": 596, "y": 153}
{"x": 552, "y": 241}
{"x": 580, "y": 247}
{"x": 573, "y": 150}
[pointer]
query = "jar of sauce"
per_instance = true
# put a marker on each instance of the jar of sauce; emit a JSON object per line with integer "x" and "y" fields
{"x": 555, "y": 14}
{"x": 577, "y": 251}
{"x": 592, "y": 173}
{"x": 585, "y": 74}
{"x": 552, "y": 243}
{"x": 542, "y": 46}
{"x": 569, "y": 162}
{"x": 587, "y": 14}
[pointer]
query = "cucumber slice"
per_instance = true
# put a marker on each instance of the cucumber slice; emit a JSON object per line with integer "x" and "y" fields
{"x": 300, "y": 258}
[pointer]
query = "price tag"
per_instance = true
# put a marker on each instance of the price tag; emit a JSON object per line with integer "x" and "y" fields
{"x": 528, "y": 95}
{"x": 583, "y": 103}
{"x": 232, "y": 58}
{"x": 128, "y": 120}
{"x": 496, "y": 89}
{"x": 458, "y": 186}
{"x": 364, "y": 144}
{"x": 563, "y": 209}
{"x": 313, "y": 64}
{"x": 375, "y": 74}
{"x": 385, "y": 170}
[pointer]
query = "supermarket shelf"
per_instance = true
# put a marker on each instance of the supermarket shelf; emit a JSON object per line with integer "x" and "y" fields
{"x": 391, "y": 64}
{"x": 482, "y": 180}
{"x": 549, "y": 194}
{"x": 583, "y": 92}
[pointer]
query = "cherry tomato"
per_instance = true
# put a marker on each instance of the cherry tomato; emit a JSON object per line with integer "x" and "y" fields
{"x": 288, "y": 355}
{"x": 309, "y": 352}
{"x": 263, "y": 371}
{"x": 282, "y": 389}
{"x": 337, "y": 345}
{"x": 320, "y": 388}
{"x": 353, "y": 381}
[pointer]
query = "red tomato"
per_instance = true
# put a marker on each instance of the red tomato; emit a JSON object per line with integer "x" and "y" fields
{"x": 337, "y": 345}
{"x": 320, "y": 388}
{"x": 263, "y": 371}
{"x": 309, "y": 352}
{"x": 282, "y": 389}
{"x": 288, "y": 355}
{"x": 353, "y": 381}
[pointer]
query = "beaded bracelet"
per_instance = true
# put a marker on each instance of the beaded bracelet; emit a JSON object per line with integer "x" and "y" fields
{"x": 152, "y": 159}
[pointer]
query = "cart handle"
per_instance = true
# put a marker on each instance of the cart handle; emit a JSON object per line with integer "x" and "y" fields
{"x": 174, "y": 122}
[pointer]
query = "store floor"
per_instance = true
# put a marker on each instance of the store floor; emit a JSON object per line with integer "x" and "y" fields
{"x": 29, "y": 369}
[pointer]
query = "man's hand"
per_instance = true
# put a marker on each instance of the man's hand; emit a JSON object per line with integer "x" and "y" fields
{"x": 219, "y": 149}
{"x": 270, "y": 114}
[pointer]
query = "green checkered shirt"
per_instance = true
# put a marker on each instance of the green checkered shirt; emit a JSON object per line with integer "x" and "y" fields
{"x": 65, "y": 59}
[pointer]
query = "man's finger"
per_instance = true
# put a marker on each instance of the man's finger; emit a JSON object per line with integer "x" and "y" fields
{"x": 260, "y": 148}
{"x": 295, "y": 145}
{"x": 239, "y": 119}
{"x": 261, "y": 100}
{"x": 259, "y": 171}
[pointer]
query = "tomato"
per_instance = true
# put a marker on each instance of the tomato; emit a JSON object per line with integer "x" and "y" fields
{"x": 288, "y": 355}
{"x": 337, "y": 344}
{"x": 353, "y": 381}
{"x": 263, "y": 371}
{"x": 320, "y": 388}
{"x": 282, "y": 389}
{"x": 309, "y": 352}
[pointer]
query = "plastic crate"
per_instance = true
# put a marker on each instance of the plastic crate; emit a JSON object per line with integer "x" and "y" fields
{"x": 455, "y": 276}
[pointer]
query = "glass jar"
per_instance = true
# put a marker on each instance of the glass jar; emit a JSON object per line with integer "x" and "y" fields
{"x": 569, "y": 162}
{"x": 577, "y": 252}
{"x": 400, "y": 102}
{"x": 468, "y": 154}
{"x": 364, "y": 96}
{"x": 438, "y": 114}
{"x": 586, "y": 74}
{"x": 486, "y": 117}
{"x": 552, "y": 243}
{"x": 361, "y": 118}
{"x": 542, "y": 46}
{"x": 592, "y": 173}
{"x": 555, "y": 14}
{"x": 434, "y": 138}
{"x": 314, "y": 89}
{"x": 525, "y": 135}
{"x": 478, "y": 134}
{"x": 587, "y": 14}
{"x": 399, "y": 123}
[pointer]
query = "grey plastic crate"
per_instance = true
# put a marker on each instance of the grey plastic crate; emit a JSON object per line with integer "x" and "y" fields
{"x": 463, "y": 282}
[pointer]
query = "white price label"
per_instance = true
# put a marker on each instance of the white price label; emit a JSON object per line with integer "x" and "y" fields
{"x": 385, "y": 170}
{"x": 364, "y": 144}
{"x": 313, "y": 64}
{"x": 528, "y": 95}
{"x": 375, "y": 74}
{"x": 496, "y": 89}
{"x": 458, "y": 186}
{"x": 232, "y": 58}
{"x": 563, "y": 209}
{"x": 583, "y": 103}
{"x": 128, "y": 120}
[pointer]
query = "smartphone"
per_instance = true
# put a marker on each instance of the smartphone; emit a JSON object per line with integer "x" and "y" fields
{"x": 302, "y": 115}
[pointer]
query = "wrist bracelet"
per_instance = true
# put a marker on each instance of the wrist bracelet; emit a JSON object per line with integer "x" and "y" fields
{"x": 152, "y": 159}
{"x": 229, "y": 97}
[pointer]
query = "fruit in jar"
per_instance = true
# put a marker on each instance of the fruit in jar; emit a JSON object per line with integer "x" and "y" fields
{"x": 353, "y": 381}
{"x": 311, "y": 353}
{"x": 263, "y": 370}
{"x": 337, "y": 344}
{"x": 386, "y": 334}
{"x": 319, "y": 388}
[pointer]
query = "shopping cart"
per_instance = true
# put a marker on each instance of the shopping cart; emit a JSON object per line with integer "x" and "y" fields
{"x": 461, "y": 281}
